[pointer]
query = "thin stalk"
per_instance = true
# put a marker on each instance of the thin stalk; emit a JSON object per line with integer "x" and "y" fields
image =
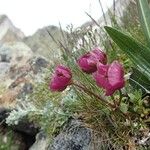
{"x": 103, "y": 12}
{"x": 120, "y": 97}
{"x": 114, "y": 7}
{"x": 99, "y": 97}
{"x": 115, "y": 103}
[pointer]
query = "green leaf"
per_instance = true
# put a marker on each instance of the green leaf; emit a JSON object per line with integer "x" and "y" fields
{"x": 138, "y": 53}
{"x": 144, "y": 14}
{"x": 124, "y": 107}
{"x": 139, "y": 81}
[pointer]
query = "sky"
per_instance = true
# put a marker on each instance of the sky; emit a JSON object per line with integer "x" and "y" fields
{"x": 30, "y": 15}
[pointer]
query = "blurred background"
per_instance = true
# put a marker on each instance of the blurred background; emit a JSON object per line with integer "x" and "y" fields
{"x": 29, "y": 15}
{"x": 37, "y": 35}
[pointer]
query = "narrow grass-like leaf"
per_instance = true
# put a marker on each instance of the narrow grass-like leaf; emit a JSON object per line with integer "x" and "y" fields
{"x": 138, "y": 53}
{"x": 144, "y": 14}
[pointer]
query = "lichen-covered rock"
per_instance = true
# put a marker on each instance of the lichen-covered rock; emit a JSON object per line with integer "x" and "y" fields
{"x": 38, "y": 64}
{"x": 19, "y": 80}
{"x": 15, "y": 53}
{"x": 4, "y": 68}
{"x": 73, "y": 137}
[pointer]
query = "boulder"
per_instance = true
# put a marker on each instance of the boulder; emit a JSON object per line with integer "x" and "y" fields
{"x": 74, "y": 137}
{"x": 41, "y": 142}
{"x": 8, "y": 32}
{"x": 42, "y": 43}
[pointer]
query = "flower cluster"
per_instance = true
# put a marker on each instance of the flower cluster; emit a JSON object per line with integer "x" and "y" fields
{"x": 107, "y": 76}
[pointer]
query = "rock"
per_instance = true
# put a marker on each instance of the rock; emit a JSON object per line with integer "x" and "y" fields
{"x": 41, "y": 142}
{"x": 38, "y": 63}
{"x": 5, "y": 53}
{"x": 42, "y": 44}
{"x": 73, "y": 137}
{"x": 26, "y": 127}
{"x": 3, "y": 114}
{"x": 23, "y": 134}
{"x": 8, "y": 32}
{"x": 13, "y": 55}
{"x": 16, "y": 53}
{"x": 4, "y": 68}
{"x": 19, "y": 80}
{"x": 8, "y": 98}
{"x": 27, "y": 88}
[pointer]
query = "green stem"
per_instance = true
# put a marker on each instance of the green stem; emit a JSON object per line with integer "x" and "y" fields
{"x": 115, "y": 103}
{"x": 99, "y": 97}
{"x": 120, "y": 97}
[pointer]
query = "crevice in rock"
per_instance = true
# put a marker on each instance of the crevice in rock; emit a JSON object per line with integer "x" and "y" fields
{"x": 24, "y": 134}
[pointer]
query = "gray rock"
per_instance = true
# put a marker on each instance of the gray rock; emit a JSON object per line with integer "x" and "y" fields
{"x": 24, "y": 126}
{"x": 42, "y": 44}
{"x": 41, "y": 142}
{"x": 5, "y": 54}
{"x": 3, "y": 114}
{"x": 38, "y": 63}
{"x": 4, "y": 67}
{"x": 4, "y": 58}
{"x": 27, "y": 88}
{"x": 74, "y": 137}
{"x": 8, "y": 32}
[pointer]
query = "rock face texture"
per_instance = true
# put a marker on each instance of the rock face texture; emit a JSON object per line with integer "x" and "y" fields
{"x": 21, "y": 56}
{"x": 74, "y": 137}
{"x": 42, "y": 43}
{"x": 41, "y": 142}
{"x": 8, "y": 32}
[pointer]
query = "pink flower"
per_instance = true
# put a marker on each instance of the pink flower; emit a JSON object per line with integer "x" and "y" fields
{"x": 61, "y": 78}
{"x": 110, "y": 77}
{"x": 88, "y": 62}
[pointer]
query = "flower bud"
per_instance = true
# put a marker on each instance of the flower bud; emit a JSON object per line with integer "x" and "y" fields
{"x": 88, "y": 62}
{"x": 61, "y": 79}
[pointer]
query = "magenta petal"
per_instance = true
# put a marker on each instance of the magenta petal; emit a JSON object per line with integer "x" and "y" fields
{"x": 61, "y": 79}
{"x": 88, "y": 62}
{"x": 101, "y": 80}
{"x": 110, "y": 91}
{"x": 102, "y": 69}
{"x": 110, "y": 77}
{"x": 101, "y": 75}
{"x": 116, "y": 75}
{"x": 100, "y": 55}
